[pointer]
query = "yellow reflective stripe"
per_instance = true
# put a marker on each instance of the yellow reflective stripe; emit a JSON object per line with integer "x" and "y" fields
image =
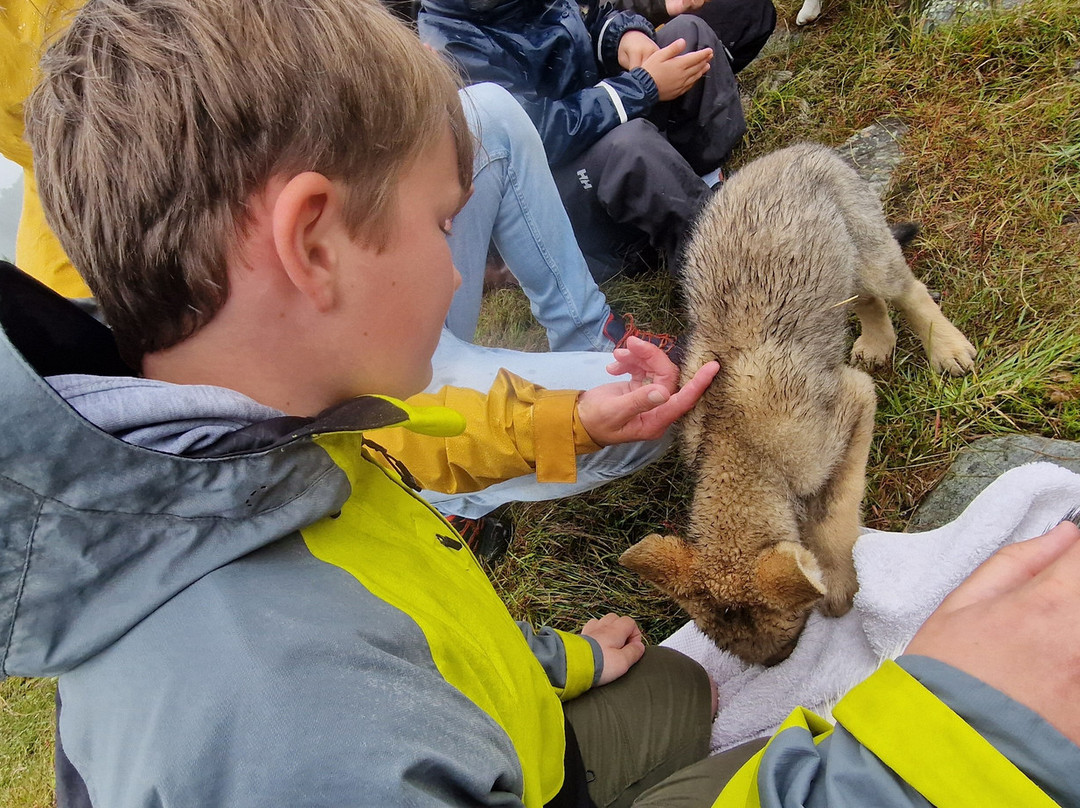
{"x": 435, "y": 421}
{"x": 930, "y": 747}
{"x": 741, "y": 790}
{"x": 388, "y": 539}
{"x": 580, "y": 665}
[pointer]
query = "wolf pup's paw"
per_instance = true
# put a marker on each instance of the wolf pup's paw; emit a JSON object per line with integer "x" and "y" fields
{"x": 837, "y": 604}
{"x": 950, "y": 350}
{"x": 872, "y": 351}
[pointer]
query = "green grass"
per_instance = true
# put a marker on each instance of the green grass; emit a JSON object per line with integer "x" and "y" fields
{"x": 993, "y": 176}
{"x": 26, "y": 743}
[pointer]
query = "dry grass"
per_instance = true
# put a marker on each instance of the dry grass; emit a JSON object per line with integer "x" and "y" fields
{"x": 993, "y": 174}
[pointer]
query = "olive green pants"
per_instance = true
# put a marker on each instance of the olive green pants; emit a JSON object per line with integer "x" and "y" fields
{"x": 644, "y": 737}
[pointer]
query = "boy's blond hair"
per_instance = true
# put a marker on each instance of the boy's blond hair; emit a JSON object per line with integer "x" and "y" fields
{"x": 155, "y": 121}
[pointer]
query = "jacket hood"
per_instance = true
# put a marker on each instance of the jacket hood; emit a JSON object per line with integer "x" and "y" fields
{"x": 96, "y": 533}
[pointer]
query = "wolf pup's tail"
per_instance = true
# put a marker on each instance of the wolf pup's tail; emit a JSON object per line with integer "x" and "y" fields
{"x": 904, "y": 232}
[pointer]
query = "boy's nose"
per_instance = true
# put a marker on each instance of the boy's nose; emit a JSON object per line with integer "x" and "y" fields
{"x": 457, "y": 278}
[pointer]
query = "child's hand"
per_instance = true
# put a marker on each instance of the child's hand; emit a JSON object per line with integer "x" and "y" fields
{"x": 620, "y": 641}
{"x": 644, "y": 407}
{"x": 675, "y": 74}
{"x": 634, "y": 48}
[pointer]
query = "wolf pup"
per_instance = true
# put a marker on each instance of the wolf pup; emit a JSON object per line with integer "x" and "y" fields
{"x": 779, "y": 442}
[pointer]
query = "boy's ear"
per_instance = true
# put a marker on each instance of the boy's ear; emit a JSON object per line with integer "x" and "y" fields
{"x": 307, "y": 223}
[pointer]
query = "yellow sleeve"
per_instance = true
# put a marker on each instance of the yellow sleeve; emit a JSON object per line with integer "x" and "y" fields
{"x": 24, "y": 27}
{"x": 514, "y": 429}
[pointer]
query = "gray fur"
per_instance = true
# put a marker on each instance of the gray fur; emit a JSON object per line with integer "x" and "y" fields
{"x": 779, "y": 442}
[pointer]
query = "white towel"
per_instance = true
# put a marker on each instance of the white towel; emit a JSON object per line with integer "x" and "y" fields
{"x": 902, "y": 579}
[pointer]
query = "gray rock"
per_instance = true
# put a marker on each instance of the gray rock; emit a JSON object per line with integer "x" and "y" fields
{"x": 875, "y": 153}
{"x": 938, "y": 13}
{"x": 777, "y": 79}
{"x": 783, "y": 41}
{"x": 981, "y": 463}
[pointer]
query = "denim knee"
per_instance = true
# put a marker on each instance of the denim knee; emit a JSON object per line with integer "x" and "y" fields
{"x": 497, "y": 120}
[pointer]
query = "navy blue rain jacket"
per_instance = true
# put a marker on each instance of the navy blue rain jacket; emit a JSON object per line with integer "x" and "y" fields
{"x": 561, "y": 67}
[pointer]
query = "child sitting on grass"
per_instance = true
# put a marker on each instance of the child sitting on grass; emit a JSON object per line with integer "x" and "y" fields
{"x": 244, "y": 601}
{"x": 258, "y": 610}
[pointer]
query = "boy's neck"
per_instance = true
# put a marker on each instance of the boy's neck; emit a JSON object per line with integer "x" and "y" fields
{"x": 253, "y": 347}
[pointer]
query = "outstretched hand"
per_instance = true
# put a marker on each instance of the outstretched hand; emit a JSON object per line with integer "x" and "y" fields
{"x": 620, "y": 641}
{"x": 1013, "y": 625}
{"x": 644, "y": 407}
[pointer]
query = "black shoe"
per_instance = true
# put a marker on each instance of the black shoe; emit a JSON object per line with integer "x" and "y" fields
{"x": 488, "y": 537}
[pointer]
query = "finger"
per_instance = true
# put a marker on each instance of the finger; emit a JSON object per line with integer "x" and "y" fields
{"x": 645, "y": 360}
{"x": 632, "y": 652}
{"x": 625, "y": 629}
{"x": 634, "y": 404}
{"x": 632, "y": 368}
{"x": 1017, "y": 564}
{"x": 672, "y": 50}
{"x": 695, "y": 58}
{"x": 698, "y": 384}
{"x": 654, "y": 361}
{"x": 663, "y": 416}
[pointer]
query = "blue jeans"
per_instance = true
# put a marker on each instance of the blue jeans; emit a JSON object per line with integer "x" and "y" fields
{"x": 462, "y": 364}
{"x": 515, "y": 204}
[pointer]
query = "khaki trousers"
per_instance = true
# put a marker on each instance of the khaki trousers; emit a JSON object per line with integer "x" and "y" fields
{"x": 644, "y": 737}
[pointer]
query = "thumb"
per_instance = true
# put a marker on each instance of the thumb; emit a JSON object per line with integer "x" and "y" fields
{"x": 637, "y": 402}
{"x": 647, "y": 397}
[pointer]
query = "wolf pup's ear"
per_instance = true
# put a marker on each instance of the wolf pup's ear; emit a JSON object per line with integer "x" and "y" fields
{"x": 788, "y": 577}
{"x": 666, "y": 561}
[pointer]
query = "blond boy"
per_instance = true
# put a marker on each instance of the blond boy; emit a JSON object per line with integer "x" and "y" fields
{"x": 258, "y": 195}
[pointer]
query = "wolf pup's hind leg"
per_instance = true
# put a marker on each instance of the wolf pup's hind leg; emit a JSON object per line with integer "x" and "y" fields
{"x": 947, "y": 348}
{"x": 885, "y": 277}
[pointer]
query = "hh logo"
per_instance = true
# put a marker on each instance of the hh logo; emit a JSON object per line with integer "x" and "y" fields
{"x": 583, "y": 178}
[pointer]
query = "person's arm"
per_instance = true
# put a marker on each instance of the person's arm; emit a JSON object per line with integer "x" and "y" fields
{"x": 517, "y": 428}
{"x": 982, "y": 710}
{"x": 513, "y": 429}
{"x": 568, "y": 126}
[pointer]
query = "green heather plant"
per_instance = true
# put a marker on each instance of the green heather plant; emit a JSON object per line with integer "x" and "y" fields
{"x": 992, "y": 174}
